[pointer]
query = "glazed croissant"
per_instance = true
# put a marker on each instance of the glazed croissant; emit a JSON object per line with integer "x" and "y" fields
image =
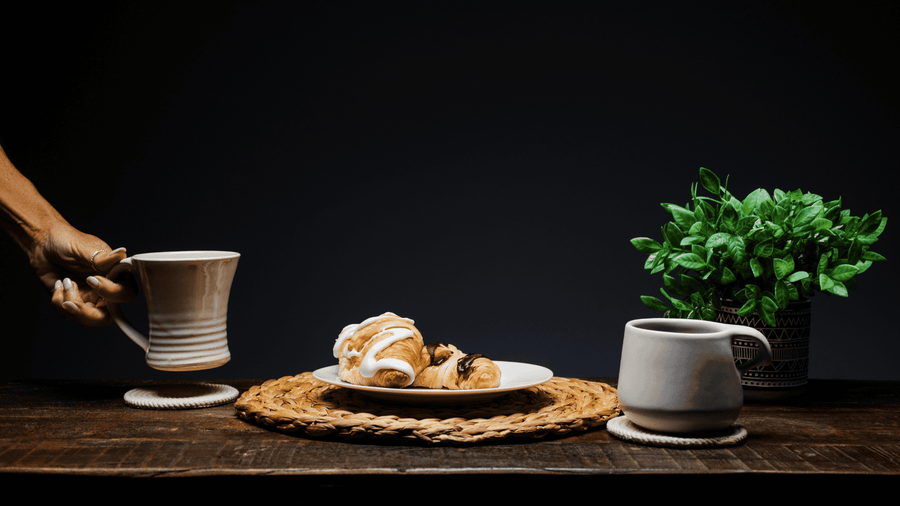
{"x": 450, "y": 368}
{"x": 382, "y": 351}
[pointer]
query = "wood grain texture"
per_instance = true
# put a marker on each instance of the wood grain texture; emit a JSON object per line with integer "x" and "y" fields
{"x": 83, "y": 429}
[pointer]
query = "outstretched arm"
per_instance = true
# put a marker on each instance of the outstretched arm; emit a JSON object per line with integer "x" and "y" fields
{"x": 68, "y": 263}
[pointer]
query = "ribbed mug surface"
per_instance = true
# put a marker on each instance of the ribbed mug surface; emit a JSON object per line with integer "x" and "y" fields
{"x": 187, "y": 305}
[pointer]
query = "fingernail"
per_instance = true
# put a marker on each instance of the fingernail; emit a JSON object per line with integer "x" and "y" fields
{"x": 67, "y": 283}
{"x": 57, "y": 285}
{"x": 117, "y": 250}
{"x": 94, "y": 282}
{"x": 70, "y": 307}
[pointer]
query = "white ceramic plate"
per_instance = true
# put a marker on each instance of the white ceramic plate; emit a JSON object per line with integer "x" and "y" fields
{"x": 513, "y": 376}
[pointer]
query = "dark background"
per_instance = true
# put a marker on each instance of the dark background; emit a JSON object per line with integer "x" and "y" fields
{"x": 479, "y": 169}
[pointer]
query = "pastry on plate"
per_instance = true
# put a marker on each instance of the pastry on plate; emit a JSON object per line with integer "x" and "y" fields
{"x": 382, "y": 351}
{"x": 388, "y": 351}
{"x": 450, "y": 368}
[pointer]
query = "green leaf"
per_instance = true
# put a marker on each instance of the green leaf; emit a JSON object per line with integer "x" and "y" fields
{"x": 646, "y": 245}
{"x": 657, "y": 261}
{"x": 783, "y": 266}
{"x": 676, "y": 303}
{"x": 701, "y": 208}
{"x": 697, "y": 299}
{"x": 673, "y": 285}
{"x": 825, "y": 283}
{"x": 690, "y": 261}
{"x": 833, "y": 209}
{"x": 754, "y": 200}
{"x": 797, "y": 276}
{"x": 823, "y": 264}
{"x": 691, "y": 284}
{"x": 717, "y": 240}
{"x": 863, "y": 266}
{"x": 766, "y": 310}
{"x": 736, "y": 248}
{"x": 870, "y": 222}
{"x": 728, "y": 277}
{"x": 756, "y": 267}
{"x": 769, "y": 304}
{"x": 807, "y": 215}
{"x": 684, "y": 218}
{"x": 793, "y": 293}
{"x": 709, "y": 180}
{"x": 821, "y": 223}
{"x": 782, "y": 293}
{"x": 692, "y": 239}
{"x": 810, "y": 198}
{"x": 752, "y": 291}
{"x": 838, "y": 289}
{"x": 843, "y": 272}
{"x": 764, "y": 249}
{"x": 807, "y": 284}
{"x": 781, "y": 213}
{"x": 765, "y": 209}
{"x": 654, "y": 303}
{"x": 745, "y": 224}
{"x": 871, "y": 255}
{"x": 660, "y": 267}
{"x": 880, "y": 227}
{"x": 672, "y": 234}
{"x": 730, "y": 217}
{"x": 748, "y": 308}
{"x": 855, "y": 252}
{"x": 868, "y": 239}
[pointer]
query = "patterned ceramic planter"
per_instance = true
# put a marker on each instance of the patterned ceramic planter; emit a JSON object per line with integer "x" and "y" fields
{"x": 786, "y": 376}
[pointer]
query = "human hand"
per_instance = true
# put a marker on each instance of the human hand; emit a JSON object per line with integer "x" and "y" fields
{"x": 71, "y": 265}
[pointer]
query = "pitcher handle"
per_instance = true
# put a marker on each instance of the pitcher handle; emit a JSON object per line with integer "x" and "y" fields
{"x": 116, "y": 313}
{"x": 763, "y": 358}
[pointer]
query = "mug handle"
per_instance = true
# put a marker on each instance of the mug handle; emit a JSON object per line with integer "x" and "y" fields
{"x": 116, "y": 313}
{"x": 764, "y": 357}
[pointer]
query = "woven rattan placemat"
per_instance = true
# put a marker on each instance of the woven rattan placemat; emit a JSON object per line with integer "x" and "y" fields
{"x": 306, "y": 405}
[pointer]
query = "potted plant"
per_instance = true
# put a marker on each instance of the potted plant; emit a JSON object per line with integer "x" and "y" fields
{"x": 756, "y": 262}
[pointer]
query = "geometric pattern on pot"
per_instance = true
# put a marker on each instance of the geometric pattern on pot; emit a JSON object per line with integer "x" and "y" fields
{"x": 790, "y": 347}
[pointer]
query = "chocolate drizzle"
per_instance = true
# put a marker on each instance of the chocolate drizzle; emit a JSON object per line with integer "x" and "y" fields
{"x": 431, "y": 347}
{"x": 464, "y": 365}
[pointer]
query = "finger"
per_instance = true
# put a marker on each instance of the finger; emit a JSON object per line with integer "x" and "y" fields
{"x": 85, "y": 313}
{"x": 70, "y": 291}
{"x": 109, "y": 290}
{"x": 104, "y": 261}
{"x": 57, "y": 299}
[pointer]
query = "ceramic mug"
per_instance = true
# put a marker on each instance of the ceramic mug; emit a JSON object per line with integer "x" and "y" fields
{"x": 679, "y": 376}
{"x": 187, "y": 305}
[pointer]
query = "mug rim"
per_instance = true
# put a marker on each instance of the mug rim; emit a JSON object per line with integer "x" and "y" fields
{"x": 709, "y": 328}
{"x": 185, "y": 256}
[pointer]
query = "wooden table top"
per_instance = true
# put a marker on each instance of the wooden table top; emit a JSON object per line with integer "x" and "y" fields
{"x": 78, "y": 429}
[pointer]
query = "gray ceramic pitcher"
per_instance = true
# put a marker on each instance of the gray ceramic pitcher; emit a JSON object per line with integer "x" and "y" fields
{"x": 679, "y": 376}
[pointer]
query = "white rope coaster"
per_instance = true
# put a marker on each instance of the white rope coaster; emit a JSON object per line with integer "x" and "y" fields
{"x": 623, "y": 428}
{"x": 180, "y": 396}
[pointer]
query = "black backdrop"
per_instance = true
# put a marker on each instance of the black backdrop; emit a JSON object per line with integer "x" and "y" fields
{"x": 479, "y": 169}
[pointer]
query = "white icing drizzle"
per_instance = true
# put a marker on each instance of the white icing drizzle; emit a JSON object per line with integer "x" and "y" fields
{"x": 345, "y": 334}
{"x": 369, "y": 365}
